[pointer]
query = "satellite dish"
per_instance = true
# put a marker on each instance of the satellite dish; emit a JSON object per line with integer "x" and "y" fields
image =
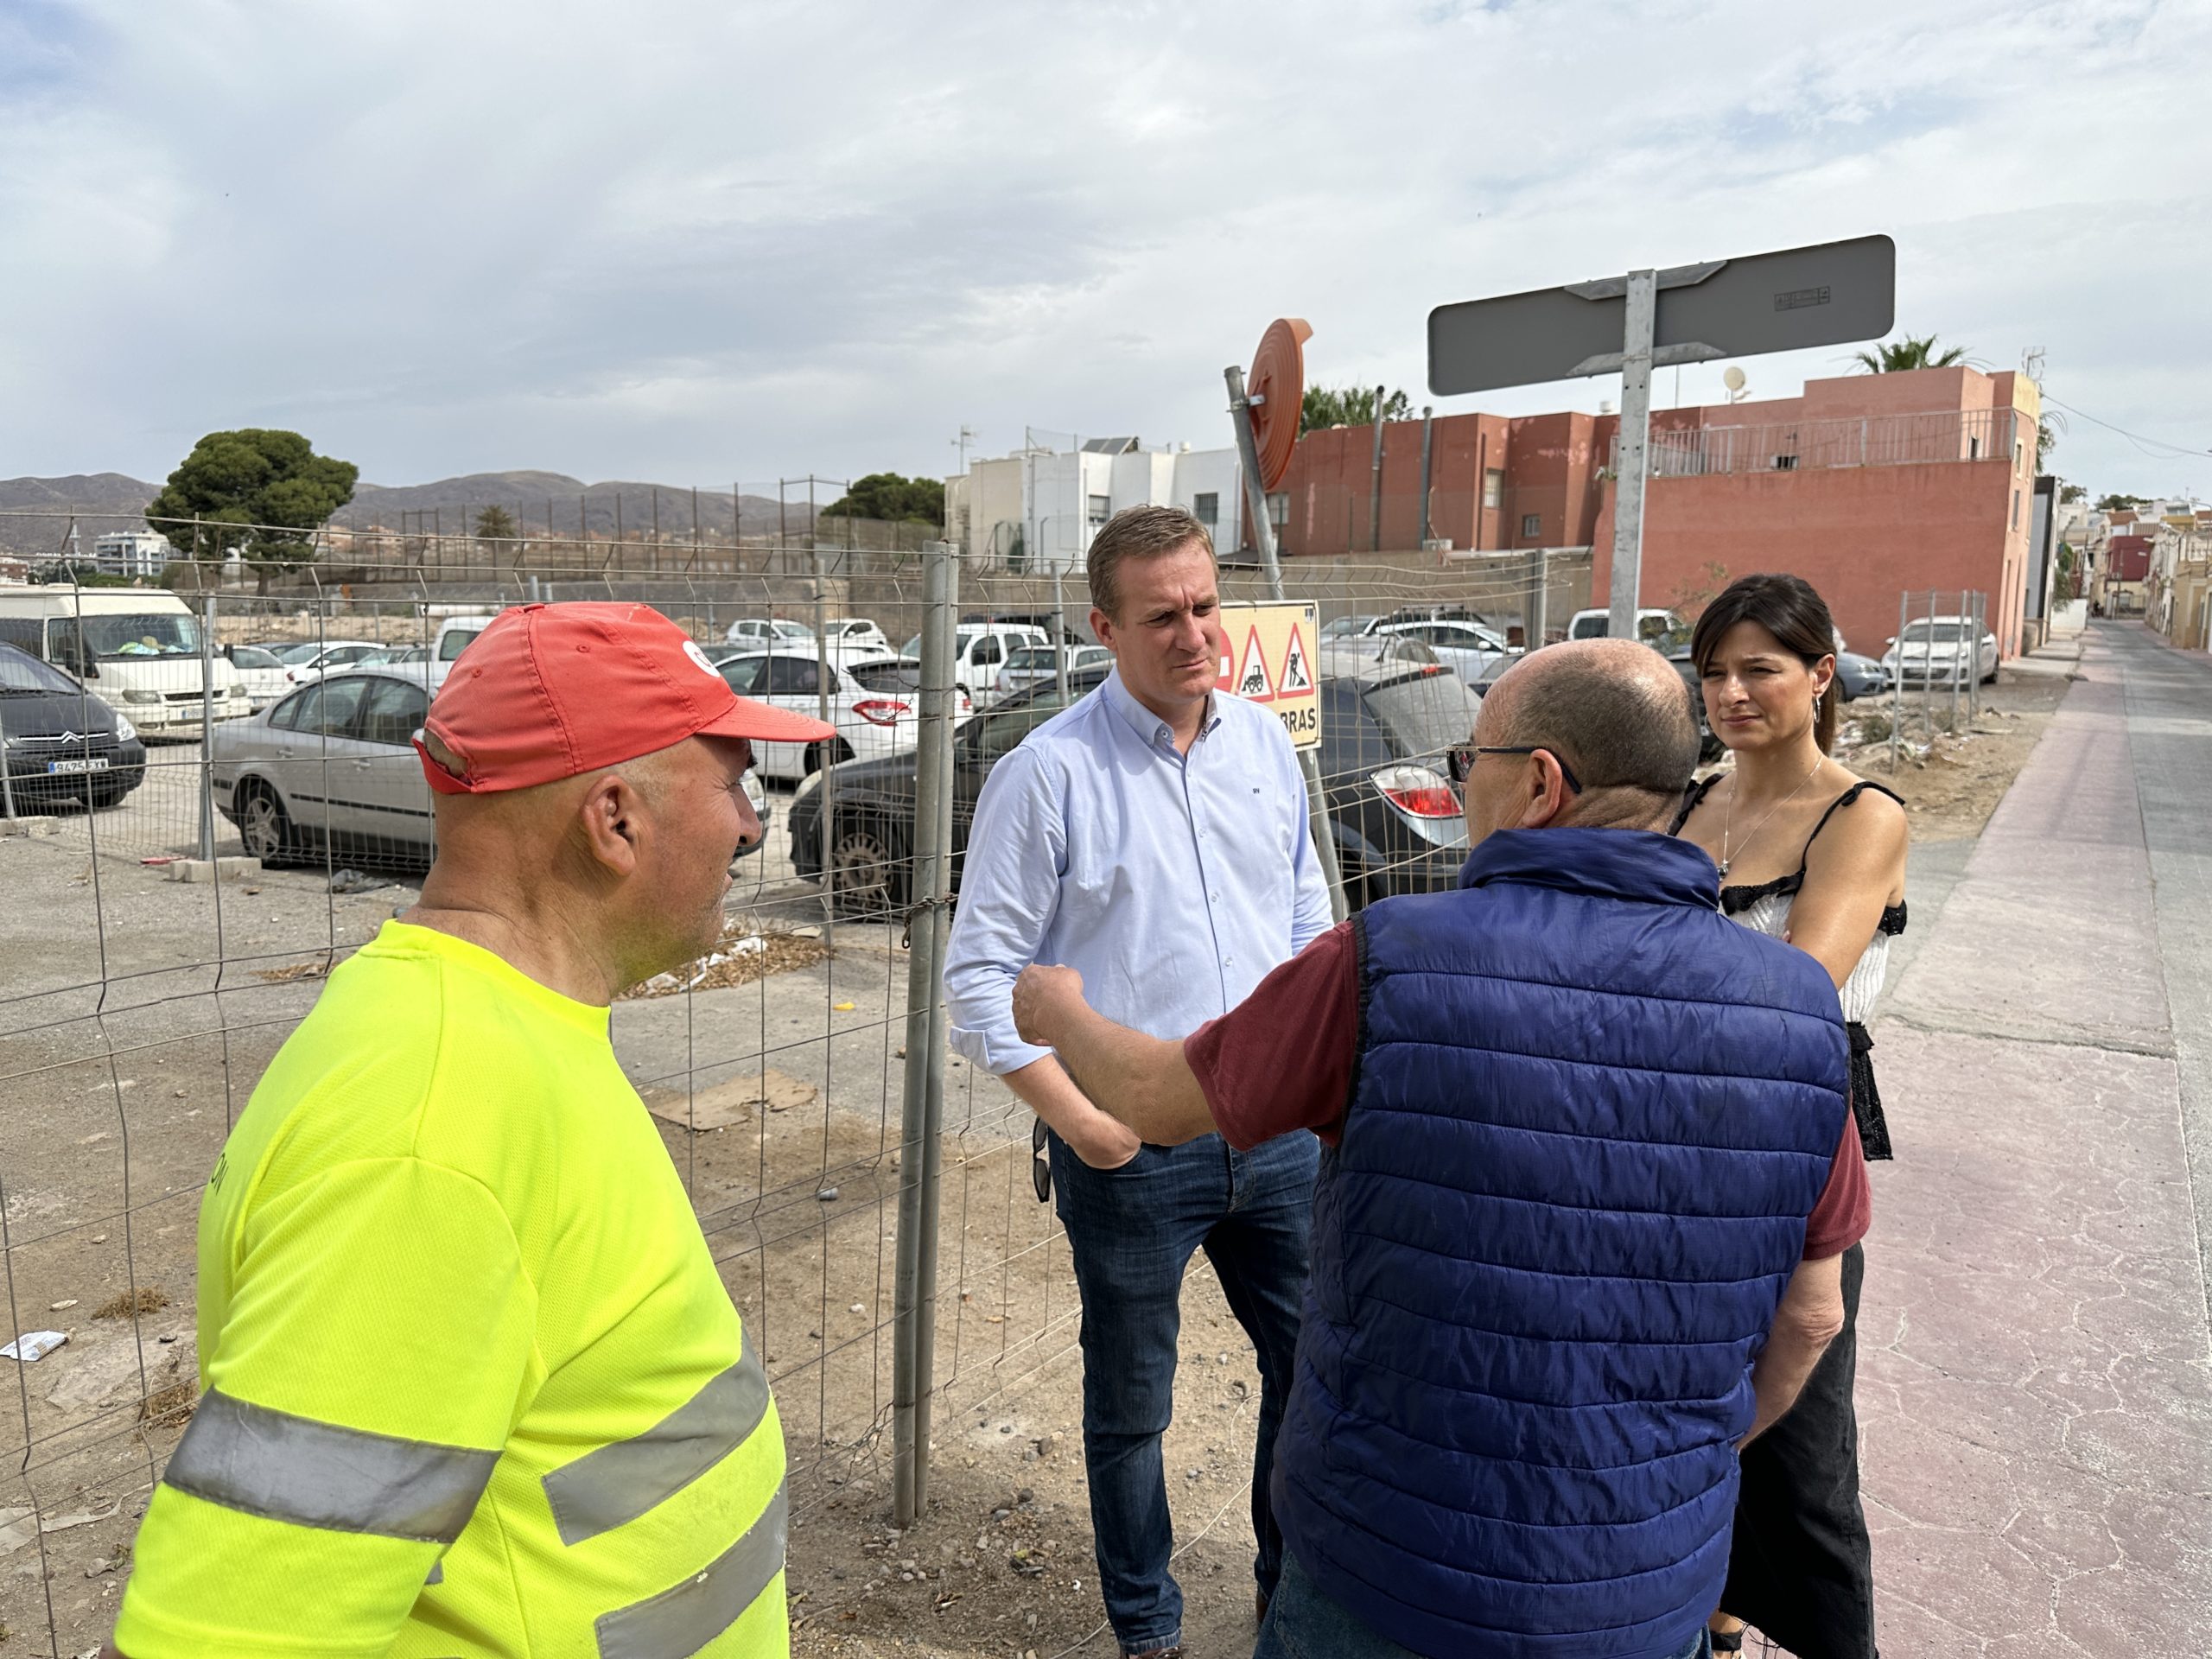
{"x": 1733, "y": 379}
{"x": 1277, "y": 385}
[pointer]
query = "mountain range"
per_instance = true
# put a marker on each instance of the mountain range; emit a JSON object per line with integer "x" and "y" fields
{"x": 34, "y": 512}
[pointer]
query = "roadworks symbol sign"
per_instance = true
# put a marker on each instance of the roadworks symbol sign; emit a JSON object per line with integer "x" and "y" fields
{"x": 1268, "y": 656}
{"x": 1252, "y": 683}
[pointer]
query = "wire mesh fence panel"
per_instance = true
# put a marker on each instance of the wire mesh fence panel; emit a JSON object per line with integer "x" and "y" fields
{"x": 173, "y": 914}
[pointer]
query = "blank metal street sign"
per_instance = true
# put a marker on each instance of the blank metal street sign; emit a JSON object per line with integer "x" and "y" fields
{"x": 1822, "y": 295}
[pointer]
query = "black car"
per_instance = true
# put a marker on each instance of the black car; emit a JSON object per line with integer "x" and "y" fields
{"x": 1398, "y": 819}
{"x": 58, "y": 742}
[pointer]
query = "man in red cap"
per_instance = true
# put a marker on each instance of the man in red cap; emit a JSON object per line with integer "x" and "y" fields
{"x": 473, "y": 1384}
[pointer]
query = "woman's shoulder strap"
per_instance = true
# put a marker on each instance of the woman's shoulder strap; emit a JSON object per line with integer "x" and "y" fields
{"x": 1691, "y": 796}
{"x": 1838, "y": 804}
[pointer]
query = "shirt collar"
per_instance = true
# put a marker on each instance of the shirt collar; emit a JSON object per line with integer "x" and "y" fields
{"x": 1151, "y": 731}
{"x": 1633, "y": 864}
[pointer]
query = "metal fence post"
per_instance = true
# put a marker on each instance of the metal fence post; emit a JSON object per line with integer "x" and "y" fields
{"x": 914, "y": 1303}
{"x": 1896, "y": 683}
{"x": 207, "y": 728}
{"x": 1958, "y": 627}
{"x": 1974, "y": 693}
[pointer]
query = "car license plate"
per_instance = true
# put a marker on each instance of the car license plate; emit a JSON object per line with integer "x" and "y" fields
{"x": 94, "y": 763}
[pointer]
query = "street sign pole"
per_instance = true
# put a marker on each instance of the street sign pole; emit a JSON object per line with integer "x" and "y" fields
{"x": 1263, "y": 537}
{"x": 1635, "y": 440}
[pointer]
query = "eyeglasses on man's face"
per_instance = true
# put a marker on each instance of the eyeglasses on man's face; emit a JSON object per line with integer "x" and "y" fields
{"x": 1461, "y": 761}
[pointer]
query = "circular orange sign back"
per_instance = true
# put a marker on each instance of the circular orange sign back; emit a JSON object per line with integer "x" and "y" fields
{"x": 1277, "y": 388}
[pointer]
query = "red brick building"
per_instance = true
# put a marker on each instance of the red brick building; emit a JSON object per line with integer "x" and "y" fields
{"x": 1867, "y": 485}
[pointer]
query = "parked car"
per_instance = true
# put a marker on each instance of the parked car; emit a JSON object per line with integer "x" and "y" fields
{"x": 58, "y": 741}
{"x": 1664, "y": 630}
{"x": 1938, "y": 650}
{"x": 1857, "y": 676}
{"x": 1467, "y": 648}
{"x": 1399, "y": 822}
{"x": 332, "y": 769}
{"x": 764, "y": 630}
{"x": 855, "y": 632}
{"x": 261, "y": 672}
{"x": 1029, "y": 665}
{"x": 870, "y": 720}
{"x": 1342, "y": 628}
{"x": 455, "y": 635}
{"x": 307, "y": 663}
{"x": 980, "y": 651}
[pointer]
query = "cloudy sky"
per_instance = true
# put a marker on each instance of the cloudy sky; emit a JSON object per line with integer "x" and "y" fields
{"x": 691, "y": 242}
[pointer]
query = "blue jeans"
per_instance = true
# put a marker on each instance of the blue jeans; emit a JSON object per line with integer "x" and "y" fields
{"x": 1133, "y": 1230}
{"x": 1305, "y": 1622}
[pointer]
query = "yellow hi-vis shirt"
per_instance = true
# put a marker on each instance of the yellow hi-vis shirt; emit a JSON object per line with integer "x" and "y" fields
{"x": 472, "y": 1384}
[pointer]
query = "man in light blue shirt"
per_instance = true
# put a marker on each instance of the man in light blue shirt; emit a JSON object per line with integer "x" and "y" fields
{"x": 1154, "y": 836}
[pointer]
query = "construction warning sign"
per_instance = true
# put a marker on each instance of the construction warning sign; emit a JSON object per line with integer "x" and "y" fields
{"x": 1268, "y": 656}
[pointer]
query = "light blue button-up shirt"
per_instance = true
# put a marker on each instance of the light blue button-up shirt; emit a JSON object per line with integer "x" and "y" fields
{"x": 1172, "y": 882}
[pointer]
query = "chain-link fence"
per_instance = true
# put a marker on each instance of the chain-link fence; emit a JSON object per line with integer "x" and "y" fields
{"x": 212, "y": 799}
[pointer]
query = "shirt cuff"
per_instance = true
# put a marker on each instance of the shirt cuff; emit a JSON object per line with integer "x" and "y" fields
{"x": 997, "y": 1052}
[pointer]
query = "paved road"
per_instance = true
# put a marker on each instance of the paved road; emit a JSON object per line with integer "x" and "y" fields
{"x": 2035, "y": 1382}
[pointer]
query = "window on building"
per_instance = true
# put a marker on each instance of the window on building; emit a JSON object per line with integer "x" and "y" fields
{"x": 1532, "y": 523}
{"x": 2016, "y": 509}
{"x": 1279, "y": 508}
{"x": 1207, "y": 508}
{"x": 1101, "y": 509}
{"x": 1493, "y": 487}
{"x": 1973, "y": 448}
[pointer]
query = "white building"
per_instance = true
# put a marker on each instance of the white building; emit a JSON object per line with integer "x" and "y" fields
{"x": 131, "y": 553}
{"x": 1039, "y": 507}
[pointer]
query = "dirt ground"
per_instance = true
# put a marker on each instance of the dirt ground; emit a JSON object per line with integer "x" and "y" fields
{"x": 135, "y": 1017}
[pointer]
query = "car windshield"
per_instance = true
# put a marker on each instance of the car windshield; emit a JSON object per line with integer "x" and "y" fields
{"x": 1031, "y": 656}
{"x": 252, "y": 656}
{"x": 1941, "y": 633}
{"x": 153, "y": 634}
{"x": 912, "y": 647}
{"x": 1345, "y": 627}
{"x": 792, "y": 631}
{"x": 293, "y": 657}
{"x": 1425, "y": 715}
{"x": 743, "y": 673}
{"x": 23, "y": 674}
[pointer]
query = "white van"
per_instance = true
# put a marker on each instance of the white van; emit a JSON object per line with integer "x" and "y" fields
{"x": 981, "y": 649}
{"x": 136, "y": 649}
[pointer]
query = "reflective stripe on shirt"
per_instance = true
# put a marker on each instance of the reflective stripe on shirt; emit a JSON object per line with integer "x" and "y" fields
{"x": 618, "y": 1483}
{"x": 684, "y": 1619}
{"x": 272, "y": 1464}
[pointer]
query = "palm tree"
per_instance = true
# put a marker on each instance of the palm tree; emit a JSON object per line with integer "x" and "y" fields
{"x": 1910, "y": 353}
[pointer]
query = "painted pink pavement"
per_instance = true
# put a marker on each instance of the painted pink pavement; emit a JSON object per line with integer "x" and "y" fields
{"x": 2035, "y": 1381}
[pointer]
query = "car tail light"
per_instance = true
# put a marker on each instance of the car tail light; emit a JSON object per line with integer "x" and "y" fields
{"x": 1418, "y": 792}
{"x": 967, "y": 704}
{"x": 880, "y": 711}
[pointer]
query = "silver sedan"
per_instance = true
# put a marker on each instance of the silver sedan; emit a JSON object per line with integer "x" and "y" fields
{"x": 332, "y": 768}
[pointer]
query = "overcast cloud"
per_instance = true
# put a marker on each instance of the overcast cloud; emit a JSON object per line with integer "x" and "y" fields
{"x": 692, "y": 243}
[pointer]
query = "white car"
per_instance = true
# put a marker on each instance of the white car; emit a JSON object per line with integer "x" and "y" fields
{"x": 307, "y": 663}
{"x": 1935, "y": 650}
{"x": 855, "y": 633}
{"x": 1665, "y": 631}
{"x": 261, "y": 672}
{"x": 766, "y": 631}
{"x": 1031, "y": 665}
{"x": 875, "y": 704}
{"x": 330, "y": 772}
{"x": 980, "y": 651}
{"x": 1469, "y": 649}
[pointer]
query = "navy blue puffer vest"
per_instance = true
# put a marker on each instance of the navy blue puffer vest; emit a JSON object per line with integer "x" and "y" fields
{"x": 1589, "y": 1120}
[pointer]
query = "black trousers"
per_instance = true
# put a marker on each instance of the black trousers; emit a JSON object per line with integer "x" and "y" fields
{"x": 1801, "y": 1567}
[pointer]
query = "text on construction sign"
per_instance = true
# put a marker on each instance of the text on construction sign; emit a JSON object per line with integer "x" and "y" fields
{"x": 1268, "y": 657}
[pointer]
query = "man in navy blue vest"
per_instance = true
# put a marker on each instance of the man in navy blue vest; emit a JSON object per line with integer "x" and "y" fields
{"x": 1577, "y": 1237}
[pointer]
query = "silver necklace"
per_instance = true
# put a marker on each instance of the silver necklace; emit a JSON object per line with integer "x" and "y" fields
{"x": 1728, "y": 818}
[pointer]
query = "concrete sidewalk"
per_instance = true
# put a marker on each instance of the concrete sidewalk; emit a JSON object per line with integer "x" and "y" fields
{"x": 2035, "y": 1376}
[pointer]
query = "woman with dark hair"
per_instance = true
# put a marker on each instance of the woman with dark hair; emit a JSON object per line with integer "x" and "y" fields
{"x": 1812, "y": 854}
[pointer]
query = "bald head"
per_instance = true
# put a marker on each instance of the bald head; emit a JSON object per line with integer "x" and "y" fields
{"x": 1615, "y": 711}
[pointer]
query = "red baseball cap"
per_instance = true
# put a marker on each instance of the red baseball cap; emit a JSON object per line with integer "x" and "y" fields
{"x": 552, "y": 691}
